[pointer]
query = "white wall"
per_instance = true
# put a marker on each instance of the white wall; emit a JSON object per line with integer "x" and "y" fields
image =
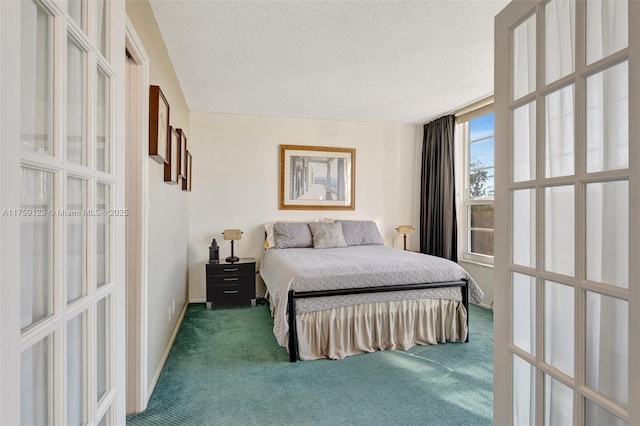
{"x": 236, "y": 178}
{"x": 483, "y": 276}
{"x": 168, "y": 204}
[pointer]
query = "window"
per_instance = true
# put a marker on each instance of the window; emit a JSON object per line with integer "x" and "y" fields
{"x": 475, "y": 145}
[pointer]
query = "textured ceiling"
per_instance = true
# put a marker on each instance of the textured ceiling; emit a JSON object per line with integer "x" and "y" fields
{"x": 382, "y": 61}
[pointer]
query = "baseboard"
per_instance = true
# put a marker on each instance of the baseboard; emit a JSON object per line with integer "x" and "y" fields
{"x": 198, "y": 300}
{"x": 483, "y": 305}
{"x": 156, "y": 376}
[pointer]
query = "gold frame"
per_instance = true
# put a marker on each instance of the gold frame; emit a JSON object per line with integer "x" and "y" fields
{"x": 312, "y": 198}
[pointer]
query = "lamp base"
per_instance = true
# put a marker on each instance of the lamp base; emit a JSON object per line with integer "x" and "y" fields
{"x": 232, "y": 259}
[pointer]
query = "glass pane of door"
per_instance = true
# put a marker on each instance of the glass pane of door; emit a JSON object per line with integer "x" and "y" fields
{"x": 608, "y": 347}
{"x": 558, "y": 403}
{"x": 559, "y": 133}
{"x": 103, "y": 329}
{"x": 524, "y": 58}
{"x": 524, "y": 392}
{"x": 76, "y": 103}
{"x": 608, "y": 233}
{"x": 524, "y": 312}
{"x": 103, "y": 154}
{"x": 37, "y": 383}
{"x": 36, "y": 87}
{"x": 607, "y": 28}
{"x": 76, "y": 368}
{"x": 608, "y": 119}
{"x": 103, "y": 234}
{"x": 36, "y": 246}
{"x": 76, "y": 10}
{"x": 76, "y": 238}
{"x": 524, "y": 227}
{"x": 559, "y": 232}
{"x": 598, "y": 416}
{"x": 101, "y": 26}
{"x": 559, "y": 326}
{"x": 524, "y": 143}
{"x": 559, "y": 39}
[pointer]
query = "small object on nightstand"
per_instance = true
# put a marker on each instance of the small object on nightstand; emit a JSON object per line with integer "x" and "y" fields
{"x": 404, "y": 230}
{"x": 231, "y": 284}
{"x": 214, "y": 252}
{"x": 233, "y": 235}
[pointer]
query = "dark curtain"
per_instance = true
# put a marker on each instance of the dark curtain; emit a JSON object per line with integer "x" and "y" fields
{"x": 438, "y": 229}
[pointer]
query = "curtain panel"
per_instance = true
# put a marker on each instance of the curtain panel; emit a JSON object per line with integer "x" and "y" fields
{"x": 438, "y": 225}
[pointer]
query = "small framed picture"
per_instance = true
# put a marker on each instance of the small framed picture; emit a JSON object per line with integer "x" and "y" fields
{"x": 182, "y": 157}
{"x": 186, "y": 182}
{"x": 158, "y": 125}
{"x": 171, "y": 168}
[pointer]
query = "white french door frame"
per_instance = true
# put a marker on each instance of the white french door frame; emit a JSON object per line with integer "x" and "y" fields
{"x": 9, "y": 226}
{"x": 12, "y": 159}
{"x": 137, "y": 223}
{"x": 514, "y": 14}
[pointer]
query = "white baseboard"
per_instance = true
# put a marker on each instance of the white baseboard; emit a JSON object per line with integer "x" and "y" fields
{"x": 198, "y": 300}
{"x": 483, "y": 305}
{"x": 156, "y": 376}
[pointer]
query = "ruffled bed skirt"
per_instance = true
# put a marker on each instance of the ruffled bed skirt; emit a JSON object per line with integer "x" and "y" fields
{"x": 351, "y": 330}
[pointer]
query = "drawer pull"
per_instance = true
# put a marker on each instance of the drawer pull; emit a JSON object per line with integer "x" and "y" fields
{"x": 231, "y": 279}
{"x": 230, "y": 269}
{"x": 231, "y": 291}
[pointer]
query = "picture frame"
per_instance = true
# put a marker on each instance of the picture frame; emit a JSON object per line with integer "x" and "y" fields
{"x": 186, "y": 182}
{"x": 317, "y": 178}
{"x": 159, "y": 133}
{"x": 172, "y": 166}
{"x": 182, "y": 155}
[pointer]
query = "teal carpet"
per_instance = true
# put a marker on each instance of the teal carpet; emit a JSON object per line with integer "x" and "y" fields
{"x": 225, "y": 368}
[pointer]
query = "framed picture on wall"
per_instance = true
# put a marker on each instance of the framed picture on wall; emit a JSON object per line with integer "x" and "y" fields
{"x": 159, "y": 133}
{"x": 182, "y": 160}
{"x": 186, "y": 182}
{"x": 171, "y": 168}
{"x": 317, "y": 178}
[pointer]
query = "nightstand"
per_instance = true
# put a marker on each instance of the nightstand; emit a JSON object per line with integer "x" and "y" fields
{"x": 231, "y": 284}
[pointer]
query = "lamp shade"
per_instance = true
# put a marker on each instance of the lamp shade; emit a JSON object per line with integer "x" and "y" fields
{"x": 405, "y": 229}
{"x": 232, "y": 234}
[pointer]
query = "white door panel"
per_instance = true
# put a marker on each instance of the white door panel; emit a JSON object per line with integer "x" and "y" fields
{"x": 61, "y": 339}
{"x": 567, "y": 169}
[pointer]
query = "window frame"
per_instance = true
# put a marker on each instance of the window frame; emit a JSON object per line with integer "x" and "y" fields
{"x": 465, "y": 202}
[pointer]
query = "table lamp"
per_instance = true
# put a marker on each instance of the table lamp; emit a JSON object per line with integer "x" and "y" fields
{"x": 405, "y": 230}
{"x": 232, "y": 235}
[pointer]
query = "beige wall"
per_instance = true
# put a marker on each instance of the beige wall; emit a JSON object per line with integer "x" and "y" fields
{"x": 235, "y": 179}
{"x": 168, "y": 204}
{"x": 483, "y": 276}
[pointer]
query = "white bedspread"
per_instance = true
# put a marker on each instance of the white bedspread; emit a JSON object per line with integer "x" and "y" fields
{"x": 308, "y": 269}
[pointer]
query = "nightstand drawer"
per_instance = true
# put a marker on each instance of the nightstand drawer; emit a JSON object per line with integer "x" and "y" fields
{"x": 230, "y": 269}
{"x": 230, "y": 295}
{"x": 229, "y": 279}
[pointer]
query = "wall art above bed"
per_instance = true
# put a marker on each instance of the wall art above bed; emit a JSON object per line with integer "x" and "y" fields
{"x": 317, "y": 178}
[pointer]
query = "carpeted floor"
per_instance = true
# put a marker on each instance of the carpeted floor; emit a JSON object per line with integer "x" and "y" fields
{"x": 225, "y": 368}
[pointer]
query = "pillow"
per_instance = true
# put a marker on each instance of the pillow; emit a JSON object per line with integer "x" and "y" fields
{"x": 269, "y": 241}
{"x": 291, "y": 235}
{"x": 327, "y": 235}
{"x": 361, "y": 232}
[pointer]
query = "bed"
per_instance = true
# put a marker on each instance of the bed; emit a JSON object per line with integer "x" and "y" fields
{"x": 336, "y": 290}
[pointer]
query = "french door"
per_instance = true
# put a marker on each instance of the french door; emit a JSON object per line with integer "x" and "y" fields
{"x": 567, "y": 103}
{"x": 62, "y": 212}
